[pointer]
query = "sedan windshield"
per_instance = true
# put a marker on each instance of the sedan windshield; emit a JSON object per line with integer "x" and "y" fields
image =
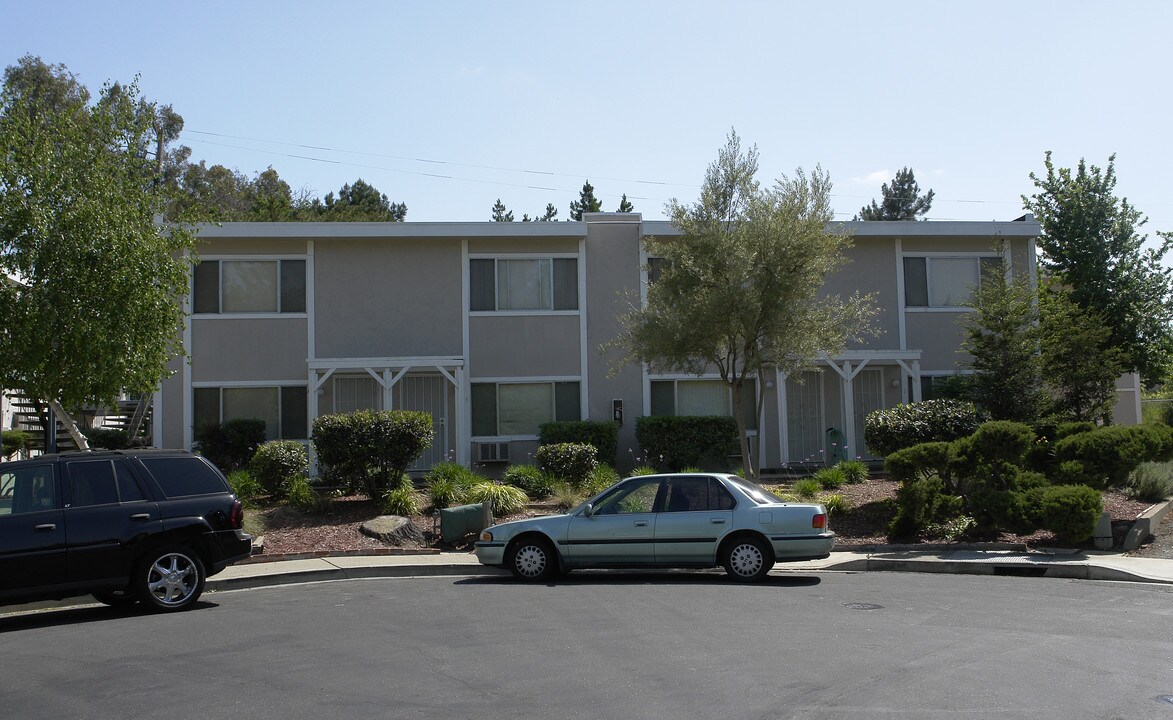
{"x": 756, "y": 492}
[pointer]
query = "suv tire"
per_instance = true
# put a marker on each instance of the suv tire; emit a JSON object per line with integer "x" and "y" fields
{"x": 170, "y": 578}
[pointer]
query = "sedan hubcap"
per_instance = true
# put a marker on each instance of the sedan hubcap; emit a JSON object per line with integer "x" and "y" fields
{"x": 746, "y": 559}
{"x": 531, "y": 561}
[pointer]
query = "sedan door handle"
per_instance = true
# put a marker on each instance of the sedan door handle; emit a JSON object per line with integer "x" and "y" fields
{"x": 47, "y": 527}
{"x": 716, "y": 521}
{"x": 641, "y": 523}
{"x": 141, "y": 516}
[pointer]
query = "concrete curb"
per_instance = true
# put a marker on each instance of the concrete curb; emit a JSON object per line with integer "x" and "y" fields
{"x": 1144, "y": 525}
{"x": 1073, "y": 571}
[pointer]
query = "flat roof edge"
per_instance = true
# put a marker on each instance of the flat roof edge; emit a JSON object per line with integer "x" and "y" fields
{"x": 327, "y": 230}
{"x": 908, "y": 229}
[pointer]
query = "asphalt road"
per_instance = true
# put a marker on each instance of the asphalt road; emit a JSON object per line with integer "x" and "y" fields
{"x": 599, "y": 645}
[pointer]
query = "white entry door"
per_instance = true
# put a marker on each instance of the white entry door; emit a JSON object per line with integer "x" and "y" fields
{"x": 428, "y": 393}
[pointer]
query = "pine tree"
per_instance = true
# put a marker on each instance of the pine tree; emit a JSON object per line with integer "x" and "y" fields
{"x": 550, "y": 215}
{"x": 500, "y": 214}
{"x": 902, "y": 200}
{"x": 625, "y": 206}
{"x": 587, "y": 202}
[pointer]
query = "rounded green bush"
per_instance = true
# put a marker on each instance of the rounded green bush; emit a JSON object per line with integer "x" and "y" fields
{"x": 278, "y": 461}
{"x": 886, "y": 431}
{"x": 1069, "y": 511}
{"x": 529, "y": 478}
{"x": 571, "y": 462}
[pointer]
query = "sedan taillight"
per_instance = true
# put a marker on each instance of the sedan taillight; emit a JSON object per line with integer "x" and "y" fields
{"x": 819, "y": 521}
{"x": 236, "y": 517}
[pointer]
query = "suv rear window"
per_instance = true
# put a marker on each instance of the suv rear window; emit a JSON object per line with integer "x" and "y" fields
{"x": 183, "y": 476}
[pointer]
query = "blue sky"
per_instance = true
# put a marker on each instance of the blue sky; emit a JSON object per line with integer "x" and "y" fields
{"x": 448, "y": 106}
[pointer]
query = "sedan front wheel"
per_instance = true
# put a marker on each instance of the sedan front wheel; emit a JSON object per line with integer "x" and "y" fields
{"x": 531, "y": 559}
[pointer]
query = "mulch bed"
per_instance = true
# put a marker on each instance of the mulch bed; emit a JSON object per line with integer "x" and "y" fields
{"x": 335, "y": 528}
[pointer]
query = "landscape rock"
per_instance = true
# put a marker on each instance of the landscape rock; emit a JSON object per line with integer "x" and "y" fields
{"x": 393, "y": 530}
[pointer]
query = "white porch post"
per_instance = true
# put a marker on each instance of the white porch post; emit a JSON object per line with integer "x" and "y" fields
{"x": 463, "y": 418}
{"x": 848, "y": 408}
{"x": 916, "y": 394}
{"x": 783, "y": 426}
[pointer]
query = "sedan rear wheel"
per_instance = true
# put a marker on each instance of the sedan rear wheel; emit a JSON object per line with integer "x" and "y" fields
{"x": 532, "y": 559}
{"x": 747, "y": 559}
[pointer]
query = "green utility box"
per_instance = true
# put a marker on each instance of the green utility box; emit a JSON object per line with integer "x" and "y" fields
{"x": 457, "y": 522}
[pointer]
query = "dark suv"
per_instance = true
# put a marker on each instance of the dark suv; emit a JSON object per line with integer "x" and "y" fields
{"x": 125, "y": 526}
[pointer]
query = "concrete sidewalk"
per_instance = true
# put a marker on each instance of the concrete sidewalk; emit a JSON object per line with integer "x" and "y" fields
{"x": 1083, "y": 565}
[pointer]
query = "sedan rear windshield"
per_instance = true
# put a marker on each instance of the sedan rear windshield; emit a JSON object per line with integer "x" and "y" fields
{"x": 184, "y": 476}
{"x": 756, "y": 492}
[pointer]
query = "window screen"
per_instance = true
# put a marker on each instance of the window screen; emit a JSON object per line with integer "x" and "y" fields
{"x": 249, "y": 285}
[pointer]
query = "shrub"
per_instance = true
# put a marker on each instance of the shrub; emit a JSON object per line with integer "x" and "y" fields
{"x": 566, "y": 497}
{"x": 15, "y": 441}
{"x": 527, "y": 477}
{"x": 300, "y": 494}
{"x": 1068, "y": 429}
{"x": 682, "y": 441}
{"x": 369, "y": 449}
{"x": 447, "y": 484}
{"x": 1150, "y": 482}
{"x": 244, "y": 486}
{"x": 401, "y": 500}
{"x": 278, "y": 461}
{"x": 505, "y": 499}
{"x": 994, "y": 510}
{"x": 920, "y": 502}
{"x": 601, "y": 478}
{"x": 1105, "y": 457}
{"x": 920, "y": 461}
{"x": 886, "y": 431}
{"x": 854, "y": 471}
{"x": 807, "y": 488}
{"x": 830, "y": 478}
{"x": 951, "y": 530}
{"x": 1069, "y": 511}
{"x": 231, "y": 444}
{"x": 603, "y": 435}
{"x": 571, "y": 462}
{"x": 644, "y": 470}
{"x": 107, "y": 438}
{"x": 835, "y": 504}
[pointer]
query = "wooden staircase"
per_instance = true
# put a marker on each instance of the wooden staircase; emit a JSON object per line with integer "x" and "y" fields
{"x": 132, "y": 416}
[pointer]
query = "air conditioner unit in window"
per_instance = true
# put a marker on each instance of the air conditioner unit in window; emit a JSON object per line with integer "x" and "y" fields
{"x": 493, "y": 452}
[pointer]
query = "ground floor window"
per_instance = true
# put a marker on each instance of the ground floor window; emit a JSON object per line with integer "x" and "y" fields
{"x": 284, "y": 409}
{"x": 702, "y": 397}
{"x": 510, "y": 409}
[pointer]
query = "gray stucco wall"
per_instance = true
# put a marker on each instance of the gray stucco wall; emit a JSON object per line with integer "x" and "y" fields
{"x": 523, "y": 345}
{"x": 388, "y": 298}
{"x": 263, "y": 349}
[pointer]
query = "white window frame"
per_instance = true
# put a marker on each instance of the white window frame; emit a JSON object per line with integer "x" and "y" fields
{"x": 250, "y": 315}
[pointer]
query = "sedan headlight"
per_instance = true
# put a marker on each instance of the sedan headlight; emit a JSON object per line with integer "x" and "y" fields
{"x": 486, "y": 536}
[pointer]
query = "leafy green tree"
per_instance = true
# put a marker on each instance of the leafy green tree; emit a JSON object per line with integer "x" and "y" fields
{"x": 1078, "y": 361}
{"x": 587, "y": 202}
{"x": 742, "y": 288}
{"x": 88, "y": 304}
{"x": 360, "y": 202}
{"x": 1002, "y": 339}
{"x": 500, "y": 214}
{"x": 1091, "y": 244}
{"x": 902, "y": 200}
{"x": 624, "y": 205}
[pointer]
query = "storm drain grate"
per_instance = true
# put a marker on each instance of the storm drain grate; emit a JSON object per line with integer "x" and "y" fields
{"x": 862, "y": 606}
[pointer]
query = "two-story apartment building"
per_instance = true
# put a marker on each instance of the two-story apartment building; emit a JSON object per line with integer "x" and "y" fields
{"x": 495, "y": 328}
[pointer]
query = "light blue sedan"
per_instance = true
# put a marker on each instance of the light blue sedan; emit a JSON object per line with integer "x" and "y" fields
{"x": 698, "y": 520}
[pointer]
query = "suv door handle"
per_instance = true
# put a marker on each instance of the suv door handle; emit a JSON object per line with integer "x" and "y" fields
{"x": 141, "y": 516}
{"x": 47, "y": 527}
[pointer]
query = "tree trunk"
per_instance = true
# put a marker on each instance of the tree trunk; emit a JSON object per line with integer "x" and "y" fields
{"x": 70, "y": 425}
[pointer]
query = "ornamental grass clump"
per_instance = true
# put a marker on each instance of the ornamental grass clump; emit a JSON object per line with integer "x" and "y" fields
{"x": 807, "y": 488}
{"x": 529, "y": 478}
{"x": 447, "y": 483}
{"x": 854, "y": 471}
{"x": 505, "y": 499}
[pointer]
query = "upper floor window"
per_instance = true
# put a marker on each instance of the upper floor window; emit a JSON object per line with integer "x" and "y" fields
{"x": 249, "y": 286}
{"x": 943, "y": 281}
{"x": 523, "y": 284}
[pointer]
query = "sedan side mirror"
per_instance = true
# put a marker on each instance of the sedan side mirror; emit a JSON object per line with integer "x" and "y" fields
{"x": 588, "y": 510}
